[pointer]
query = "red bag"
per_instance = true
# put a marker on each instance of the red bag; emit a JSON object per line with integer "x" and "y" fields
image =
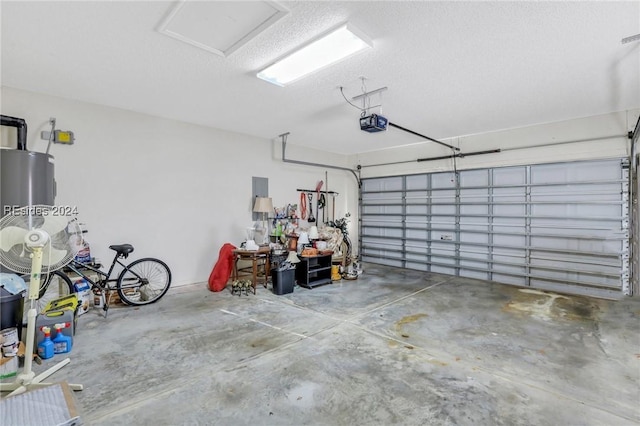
{"x": 222, "y": 271}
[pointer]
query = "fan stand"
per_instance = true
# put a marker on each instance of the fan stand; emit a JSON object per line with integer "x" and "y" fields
{"x": 27, "y": 379}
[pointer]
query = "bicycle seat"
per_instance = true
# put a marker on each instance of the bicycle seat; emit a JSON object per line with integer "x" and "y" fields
{"x": 122, "y": 248}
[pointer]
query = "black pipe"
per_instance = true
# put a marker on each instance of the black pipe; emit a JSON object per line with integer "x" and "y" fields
{"x": 21, "y": 125}
{"x": 459, "y": 155}
{"x": 423, "y": 136}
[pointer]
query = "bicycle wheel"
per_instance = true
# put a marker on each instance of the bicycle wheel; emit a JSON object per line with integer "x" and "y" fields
{"x": 144, "y": 281}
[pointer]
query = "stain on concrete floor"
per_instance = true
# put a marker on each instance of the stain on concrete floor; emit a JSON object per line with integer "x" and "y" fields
{"x": 407, "y": 320}
{"x": 549, "y": 306}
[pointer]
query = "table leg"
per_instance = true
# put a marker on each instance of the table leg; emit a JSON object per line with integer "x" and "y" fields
{"x": 235, "y": 267}
{"x": 267, "y": 270}
{"x": 255, "y": 273}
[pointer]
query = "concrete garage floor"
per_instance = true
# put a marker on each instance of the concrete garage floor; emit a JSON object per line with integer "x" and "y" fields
{"x": 393, "y": 347}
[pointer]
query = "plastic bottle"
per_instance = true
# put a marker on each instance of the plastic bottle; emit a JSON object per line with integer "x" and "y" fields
{"x": 61, "y": 343}
{"x": 45, "y": 348}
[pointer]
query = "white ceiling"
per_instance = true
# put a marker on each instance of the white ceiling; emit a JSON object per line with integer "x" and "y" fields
{"x": 451, "y": 68}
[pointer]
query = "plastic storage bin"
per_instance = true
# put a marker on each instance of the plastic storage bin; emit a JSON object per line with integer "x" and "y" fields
{"x": 11, "y": 310}
{"x": 283, "y": 281}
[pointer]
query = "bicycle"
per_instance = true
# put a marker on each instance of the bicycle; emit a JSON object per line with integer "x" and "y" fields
{"x": 140, "y": 282}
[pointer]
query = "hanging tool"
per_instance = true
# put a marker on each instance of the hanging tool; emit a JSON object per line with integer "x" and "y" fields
{"x": 326, "y": 195}
{"x": 333, "y": 204}
{"x": 311, "y": 218}
{"x": 322, "y": 203}
{"x": 318, "y": 187}
{"x": 303, "y": 205}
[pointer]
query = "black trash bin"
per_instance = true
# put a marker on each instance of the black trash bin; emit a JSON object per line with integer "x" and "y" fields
{"x": 11, "y": 310}
{"x": 283, "y": 281}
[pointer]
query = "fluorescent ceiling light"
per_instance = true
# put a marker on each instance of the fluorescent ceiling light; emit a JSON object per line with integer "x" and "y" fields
{"x": 320, "y": 53}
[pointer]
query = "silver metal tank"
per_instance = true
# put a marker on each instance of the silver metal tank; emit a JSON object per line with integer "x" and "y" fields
{"x": 26, "y": 178}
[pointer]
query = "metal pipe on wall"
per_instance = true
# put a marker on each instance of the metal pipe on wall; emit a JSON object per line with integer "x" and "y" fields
{"x": 21, "y": 125}
{"x": 307, "y": 163}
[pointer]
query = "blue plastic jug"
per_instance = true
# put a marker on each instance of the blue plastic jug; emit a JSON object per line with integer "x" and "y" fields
{"x": 45, "y": 348}
{"x": 61, "y": 343}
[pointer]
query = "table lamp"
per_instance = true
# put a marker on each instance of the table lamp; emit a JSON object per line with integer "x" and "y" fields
{"x": 313, "y": 233}
{"x": 293, "y": 258}
{"x": 302, "y": 240}
{"x": 263, "y": 205}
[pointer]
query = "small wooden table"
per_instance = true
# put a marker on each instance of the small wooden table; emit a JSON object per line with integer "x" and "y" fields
{"x": 264, "y": 253}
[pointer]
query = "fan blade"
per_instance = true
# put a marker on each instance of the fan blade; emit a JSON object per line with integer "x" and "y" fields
{"x": 51, "y": 256}
{"x": 10, "y": 236}
{"x": 54, "y": 224}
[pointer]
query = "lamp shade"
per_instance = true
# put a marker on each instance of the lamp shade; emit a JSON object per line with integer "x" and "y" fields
{"x": 313, "y": 233}
{"x": 303, "y": 239}
{"x": 293, "y": 257}
{"x": 263, "y": 205}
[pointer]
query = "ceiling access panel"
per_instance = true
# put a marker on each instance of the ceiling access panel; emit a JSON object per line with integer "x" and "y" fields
{"x": 558, "y": 226}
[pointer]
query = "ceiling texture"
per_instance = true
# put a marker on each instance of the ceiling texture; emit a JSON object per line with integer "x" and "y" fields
{"x": 450, "y": 68}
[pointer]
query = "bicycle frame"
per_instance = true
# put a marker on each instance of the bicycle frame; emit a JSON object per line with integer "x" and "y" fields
{"x": 104, "y": 278}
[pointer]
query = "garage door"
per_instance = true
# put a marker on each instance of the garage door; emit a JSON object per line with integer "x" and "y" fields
{"x": 560, "y": 226}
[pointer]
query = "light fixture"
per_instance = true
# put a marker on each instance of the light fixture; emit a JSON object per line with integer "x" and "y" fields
{"x": 328, "y": 49}
{"x": 303, "y": 239}
{"x": 313, "y": 233}
{"x": 293, "y": 257}
{"x": 263, "y": 205}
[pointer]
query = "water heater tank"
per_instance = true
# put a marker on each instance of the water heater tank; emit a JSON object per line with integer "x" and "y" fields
{"x": 27, "y": 178}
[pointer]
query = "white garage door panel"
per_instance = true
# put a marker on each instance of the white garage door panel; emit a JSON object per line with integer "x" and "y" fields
{"x": 560, "y": 226}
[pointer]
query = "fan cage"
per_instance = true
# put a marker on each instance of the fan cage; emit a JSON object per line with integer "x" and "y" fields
{"x": 67, "y": 240}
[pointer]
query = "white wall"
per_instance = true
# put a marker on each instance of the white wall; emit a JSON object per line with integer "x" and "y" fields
{"x": 603, "y": 136}
{"x": 179, "y": 191}
{"x": 174, "y": 190}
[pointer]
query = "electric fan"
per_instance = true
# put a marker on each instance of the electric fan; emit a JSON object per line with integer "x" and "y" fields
{"x": 37, "y": 239}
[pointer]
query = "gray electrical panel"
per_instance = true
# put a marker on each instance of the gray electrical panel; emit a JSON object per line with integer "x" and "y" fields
{"x": 259, "y": 188}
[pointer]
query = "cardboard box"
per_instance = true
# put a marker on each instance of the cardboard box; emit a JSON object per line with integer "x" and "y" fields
{"x": 84, "y": 295}
{"x": 69, "y": 302}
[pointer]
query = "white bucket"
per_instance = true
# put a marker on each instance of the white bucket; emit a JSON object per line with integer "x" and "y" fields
{"x": 8, "y": 367}
{"x": 10, "y": 341}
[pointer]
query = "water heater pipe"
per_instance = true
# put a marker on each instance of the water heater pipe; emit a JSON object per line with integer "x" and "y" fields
{"x": 21, "y": 125}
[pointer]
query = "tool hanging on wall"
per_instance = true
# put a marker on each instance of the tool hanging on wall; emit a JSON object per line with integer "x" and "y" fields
{"x": 318, "y": 187}
{"x": 311, "y": 218}
{"x": 303, "y": 205}
{"x": 308, "y": 193}
{"x": 333, "y": 205}
{"x": 322, "y": 203}
{"x": 326, "y": 195}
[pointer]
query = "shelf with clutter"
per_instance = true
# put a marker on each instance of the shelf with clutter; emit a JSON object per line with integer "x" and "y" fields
{"x": 309, "y": 226}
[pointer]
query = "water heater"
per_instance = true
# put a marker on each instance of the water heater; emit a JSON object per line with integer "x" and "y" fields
{"x": 26, "y": 178}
